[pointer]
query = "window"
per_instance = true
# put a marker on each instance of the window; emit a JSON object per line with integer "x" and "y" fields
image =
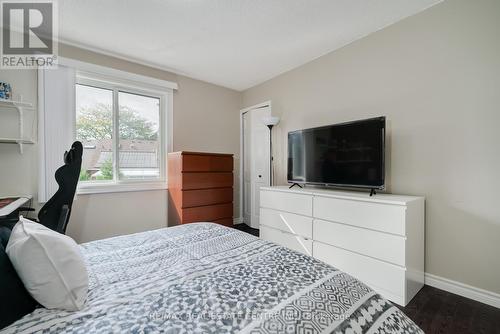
{"x": 122, "y": 127}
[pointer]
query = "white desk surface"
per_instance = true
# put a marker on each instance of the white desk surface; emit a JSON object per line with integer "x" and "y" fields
{"x": 8, "y": 209}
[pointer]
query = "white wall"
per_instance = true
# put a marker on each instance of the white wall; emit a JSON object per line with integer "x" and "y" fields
{"x": 100, "y": 216}
{"x": 436, "y": 76}
{"x": 205, "y": 119}
{"x": 17, "y": 173}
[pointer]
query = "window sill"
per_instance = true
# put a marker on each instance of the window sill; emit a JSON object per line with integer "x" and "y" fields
{"x": 87, "y": 189}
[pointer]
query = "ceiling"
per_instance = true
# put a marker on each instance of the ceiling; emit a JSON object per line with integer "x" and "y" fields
{"x": 232, "y": 43}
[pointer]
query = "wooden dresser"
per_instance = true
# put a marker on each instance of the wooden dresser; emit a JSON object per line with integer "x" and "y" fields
{"x": 200, "y": 188}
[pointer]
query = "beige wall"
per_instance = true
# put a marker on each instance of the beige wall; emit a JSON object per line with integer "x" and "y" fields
{"x": 205, "y": 119}
{"x": 436, "y": 76}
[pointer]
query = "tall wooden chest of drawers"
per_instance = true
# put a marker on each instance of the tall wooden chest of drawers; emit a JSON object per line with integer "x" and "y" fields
{"x": 200, "y": 188}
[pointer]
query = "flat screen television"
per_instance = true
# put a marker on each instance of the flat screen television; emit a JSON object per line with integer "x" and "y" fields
{"x": 345, "y": 155}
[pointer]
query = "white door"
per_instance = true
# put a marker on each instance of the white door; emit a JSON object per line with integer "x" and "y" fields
{"x": 256, "y": 155}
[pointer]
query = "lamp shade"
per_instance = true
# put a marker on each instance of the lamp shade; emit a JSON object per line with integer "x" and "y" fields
{"x": 270, "y": 120}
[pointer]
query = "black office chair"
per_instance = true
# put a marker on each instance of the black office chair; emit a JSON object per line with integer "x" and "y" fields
{"x": 56, "y": 212}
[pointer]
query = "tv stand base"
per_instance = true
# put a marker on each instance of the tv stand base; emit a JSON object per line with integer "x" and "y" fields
{"x": 295, "y": 184}
{"x": 373, "y": 192}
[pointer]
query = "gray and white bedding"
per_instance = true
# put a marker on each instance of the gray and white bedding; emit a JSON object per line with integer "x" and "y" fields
{"x": 207, "y": 278}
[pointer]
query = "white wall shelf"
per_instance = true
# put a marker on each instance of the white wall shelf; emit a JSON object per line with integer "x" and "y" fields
{"x": 20, "y": 106}
{"x": 15, "y": 141}
{"x": 15, "y": 104}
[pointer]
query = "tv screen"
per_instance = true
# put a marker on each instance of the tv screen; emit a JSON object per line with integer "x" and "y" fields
{"x": 348, "y": 154}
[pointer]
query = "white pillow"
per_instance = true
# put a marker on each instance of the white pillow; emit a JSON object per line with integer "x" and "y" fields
{"x": 49, "y": 264}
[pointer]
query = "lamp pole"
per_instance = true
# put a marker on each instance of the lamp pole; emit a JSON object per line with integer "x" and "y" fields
{"x": 270, "y": 122}
{"x": 270, "y": 126}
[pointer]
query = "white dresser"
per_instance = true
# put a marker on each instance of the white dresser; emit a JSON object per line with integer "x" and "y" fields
{"x": 378, "y": 239}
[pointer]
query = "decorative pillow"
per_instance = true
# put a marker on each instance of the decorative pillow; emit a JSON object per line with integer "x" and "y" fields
{"x": 15, "y": 301}
{"x": 49, "y": 264}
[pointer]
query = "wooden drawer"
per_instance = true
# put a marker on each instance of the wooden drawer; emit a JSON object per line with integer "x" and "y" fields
{"x": 207, "y": 163}
{"x": 387, "y": 247}
{"x": 288, "y": 240}
{"x": 376, "y": 216}
{"x": 385, "y": 278}
{"x": 192, "y": 198}
{"x": 287, "y": 222}
{"x": 208, "y": 213}
{"x": 288, "y": 202}
{"x": 191, "y": 181}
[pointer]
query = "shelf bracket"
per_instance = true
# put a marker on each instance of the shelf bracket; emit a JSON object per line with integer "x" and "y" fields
{"x": 18, "y": 105}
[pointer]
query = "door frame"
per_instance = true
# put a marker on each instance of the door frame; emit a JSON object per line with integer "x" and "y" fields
{"x": 242, "y": 153}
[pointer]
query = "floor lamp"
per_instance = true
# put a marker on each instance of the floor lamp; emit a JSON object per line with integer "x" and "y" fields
{"x": 271, "y": 121}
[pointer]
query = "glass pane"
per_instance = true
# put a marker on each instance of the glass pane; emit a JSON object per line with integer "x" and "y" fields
{"x": 139, "y": 124}
{"x": 94, "y": 128}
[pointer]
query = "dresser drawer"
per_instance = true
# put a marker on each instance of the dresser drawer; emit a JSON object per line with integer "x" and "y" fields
{"x": 289, "y": 202}
{"x": 287, "y": 240}
{"x": 383, "y": 277}
{"x": 383, "y": 246}
{"x": 287, "y": 222}
{"x": 191, "y": 198}
{"x": 192, "y": 181}
{"x": 207, "y": 163}
{"x": 208, "y": 213}
{"x": 376, "y": 216}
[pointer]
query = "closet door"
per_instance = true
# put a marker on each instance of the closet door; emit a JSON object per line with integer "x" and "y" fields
{"x": 247, "y": 156}
{"x": 256, "y": 155}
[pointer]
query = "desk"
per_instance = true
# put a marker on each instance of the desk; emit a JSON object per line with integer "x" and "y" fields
{"x": 18, "y": 201}
{"x": 9, "y": 209}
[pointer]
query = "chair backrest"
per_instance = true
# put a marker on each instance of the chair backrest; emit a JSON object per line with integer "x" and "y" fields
{"x": 56, "y": 212}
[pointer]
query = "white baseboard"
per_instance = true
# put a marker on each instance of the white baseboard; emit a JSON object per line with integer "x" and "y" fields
{"x": 237, "y": 221}
{"x": 464, "y": 290}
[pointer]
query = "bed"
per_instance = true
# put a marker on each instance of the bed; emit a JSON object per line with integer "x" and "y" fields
{"x": 207, "y": 278}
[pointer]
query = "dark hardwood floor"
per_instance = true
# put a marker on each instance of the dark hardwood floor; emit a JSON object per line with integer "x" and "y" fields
{"x": 440, "y": 312}
{"x": 246, "y": 228}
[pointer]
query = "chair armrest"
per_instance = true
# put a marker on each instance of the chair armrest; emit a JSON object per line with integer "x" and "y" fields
{"x": 63, "y": 219}
{"x": 25, "y": 208}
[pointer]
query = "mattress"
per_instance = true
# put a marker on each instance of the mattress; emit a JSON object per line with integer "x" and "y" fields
{"x": 207, "y": 278}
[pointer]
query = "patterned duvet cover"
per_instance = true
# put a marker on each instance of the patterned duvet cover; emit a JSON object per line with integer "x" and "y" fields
{"x": 207, "y": 278}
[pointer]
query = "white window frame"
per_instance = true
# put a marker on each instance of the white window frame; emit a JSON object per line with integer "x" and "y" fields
{"x": 116, "y": 81}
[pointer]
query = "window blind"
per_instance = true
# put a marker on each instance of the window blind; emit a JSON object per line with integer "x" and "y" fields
{"x": 56, "y": 124}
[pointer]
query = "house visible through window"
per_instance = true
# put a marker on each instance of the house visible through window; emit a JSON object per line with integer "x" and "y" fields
{"x": 122, "y": 131}
{"x": 139, "y": 120}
